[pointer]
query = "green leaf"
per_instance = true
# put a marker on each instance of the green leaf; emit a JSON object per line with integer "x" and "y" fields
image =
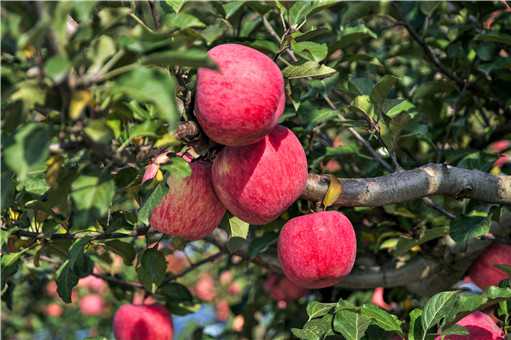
{"x": 437, "y": 308}
{"x": 353, "y": 35}
{"x": 153, "y": 86}
{"x": 308, "y": 69}
{"x": 495, "y": 37}
{"x": 152, "y": 268}
{"x": 92, "y": 196}
{"x": 191, "y": 58}
{"x": 147, "y": 128}
{"x": 176, "y": 5}
{"x": 238, "y": 227}
{"x": 473, "y": 225}
{"x": 478, "y": 160}
{"x": 400, "y": 107}
{"x": 66, "y": 281}
{"x": 415, "y": 332}
{"x": 347, "y": 149}
{"x": 428, "y": 7}
{"x": 364, "y": 105}
{"x": 76, "y": 250}
{"x": 382, "y": 319}
{"x": 57, "y": 67}
{"x": 320, "y": 327}
{"x": 382, "y": 89}
{"x": 405, "y": 244}
{"x": 301, "y": 9}
{"x": 232, "y": 7}
{"x": 36, "y": 183}
{"x": 310, "y": 50}
{"x": 152, "y": 201}
{"x": 304, "y": 334}
{"x": 493, "y": 293}
{"x": 351, "y": 325}
{"x": 454, "y": 330}
{"x": 29, "y": 150}
{"x": 317, "y": 309}
{"x": 260, "y": 244}
{"x": 98, "y": 131}
{"x": 175, "y": 292}
{"x": 183, "y": 21}
{"x": 123, "y": 249}
{"x": 178, "y": 168}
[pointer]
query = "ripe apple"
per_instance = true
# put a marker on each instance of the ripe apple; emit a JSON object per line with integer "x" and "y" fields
{"x": 282, "y": 289}
{"x": 225, "y": 278}
{"x": 205, "y": 288}
{"x": 51, "y": 288}
{"x": 259, "y": 182}
{"x": 317, "y": 250}
{"x": 93, "y": 284}
{"x": 237, "y": 323}
{"x": 54, "y": 310}
{"x": 499, "y": 146}
{"x": 142, "y": 322}
{"x": 92, "y": 305}
{"x": 234, "y": 288}
{"x": 480, "y": 327}
{"x": 222, "y": 310}
{"x": 241, "y": 101}
{"x": 378, "y": 299}
{"x": 177, "y": 262}
{"x": 190, "y": 209}
{"x": 483, "y": 271}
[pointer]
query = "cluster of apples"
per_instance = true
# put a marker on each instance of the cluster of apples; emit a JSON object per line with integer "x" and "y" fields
{"x": 259, "y": 173}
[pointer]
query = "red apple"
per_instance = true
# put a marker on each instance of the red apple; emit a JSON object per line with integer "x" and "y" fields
{"x": 259, "y": 182}
{"x": 205, "y": 288}
{"x": 502, "y": 160}
{"x": 139, "y": 298}
{"x": 378, "y": 299}
{"x": 92, "y": 305}
{"x": 51, "y": 288}
{"x": 317, "y": 250}
{"x": 177, "y": 262}
{"x": 499, "y": 146}
{"x": 190, "y": 209}
{"x": 241, "y": 101}
{"x": 237, "y": 323}
{"x": 142, "y": 322}
{"x": 480, "y": 327}
{"x": 282, "y": 289}
{"x": 93, "y": 284}
{"x": 222, "y": 310}
{"x": 54, "y": 310}
{"x": 483, "y": 271}
{"x": 225, "y": 278}
{"x": 234, "y": 288}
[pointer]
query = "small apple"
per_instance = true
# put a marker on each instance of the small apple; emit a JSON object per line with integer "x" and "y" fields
{"x": 93, "y": 284}
{"x": 258, "y": 182}
{"x": 237, "y": 323}
{"x": 282, "y": 289}
{"x": 223, "y": 311}
{"x": 225, "y": 278}
{"x": 54, "y": 310}
{"x": 177, "y": 262}
{"x": 378, "y": 299}
{"x": 142, "y": 322}
{"x": 483, "y": 271}
{"x": 51, "y": 288}
{"x": 190, "y": 209}
{"x": 480, "y": 327}
{"x": 234, "y": 288}
{"x": 317, "y": 250}
{"x": 241, "y": 101}
{"x": 92, "y": 305}
{"x": 205, "y": 288}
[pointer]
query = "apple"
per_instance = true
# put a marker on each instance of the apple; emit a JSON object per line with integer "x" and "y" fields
{"x": 205, "y": 288}
{"x": 282, "y": 289}
{"x": 92, "y": 305}
{"x": 93, "y": 284}
{"x": 51, "y": 288}
{"x": 177, "y": 262}
{"x": 378, "y": 299}
{"x": 54, "y": 310}
{"x": 258, "y": 182}
{"x": 139, "y": 298}
{"x": 225, "y": 278}
{"x": 237, "y": 323}
{"x": 242, "y": 101}
{"x": 234, "y": 288}
{"x": 499, "y": 146}
{"x": 483, "y": 271}
{"x": 480, "y": 327}
{"x": 317, "y": 250}
{"x": 142, "y": 322}
{"x": 222, "y": 310}
{"x": 190, "y": 209}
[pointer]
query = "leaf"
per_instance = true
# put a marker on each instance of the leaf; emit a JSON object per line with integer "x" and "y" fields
{"x": 56, "y": 68}
{"x": 147, "y": 128}
{"x": 478, "y": 160}
{"x": 76, "y": 250}
{"x": 493, "y": 293}
{"x": 66, "y": 281}
{"x": 465, "y": 228}
{"x": 350, "y": 324}
{"x": 29, "y": 150}
{"x": 153, "y": 86}
{"x": 177, "y": 169}
{"x": 415, "y": 331}
{"x": 317, "y": 309}
{"x": 437, "y": 308}
{"x": 238, "y": 227}
{"x": 333, "y": 192}
{"x": 301, "y": 9}
{"x": 260, "y": 244}
{"x": 310, "y": 50}
{"x": 123, "y": 249}
{"x": 382, "y": 318}
{"x": 364, "y": 105}
{"x": 320, "y": 326}
{"x": 175, "y": 292}
{"x": 92, "y": 196}
{"x": 304, "y": 334}
{"x": 454, "y": 330}
{"x": 402, "y": 106}
{"x": 382, "y": 89}
{"x": 98, "y": 131}
{"x": 152, "y": 268}
{"x": 79, "y": 100}
{"x": 182, "y": 21}
{"x": 307, "y": 69}
{"x": 232, "y": 7}
{"x": 152, "y": 201}
{"x": 190, "y": 58}
{"x": 353, "y": 35}
{"x": 176, "y": 5}
{"x": 404, "y": 244}
{"x": 495, "y": 37}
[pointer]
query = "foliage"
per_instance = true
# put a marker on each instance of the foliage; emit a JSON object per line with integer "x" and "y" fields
{"x": 93, "y": 93}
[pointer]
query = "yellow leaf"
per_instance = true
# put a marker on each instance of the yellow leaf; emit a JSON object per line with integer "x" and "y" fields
{"x": 159, "y": 176}
{"x": 333, "y": 192}
{"x": 79, "y": 101}
{"x": 52, "y": 174}
{"x": 28, "y": 51}
{"x": 13, "y": 214}
{"x": 166, "y": 140}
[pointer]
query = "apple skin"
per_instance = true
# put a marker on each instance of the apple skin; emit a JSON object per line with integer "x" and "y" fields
{"x": 282, "y": 289}
{"x": 480, "y": 327}
{"x": 205, "y": 288}
{"x": 243, "y": 100}
{"x": 223, "y": 310}
{"x": 92, "y": 305}
{"x": 258, "y": 182}
{"x": 190, "y": 209}
{"x": 54, "y": 310}
{"x": 378, "y": 299}
{"x": 142, "y": 322}
{"x": 483, "y": 271}
{"x": 317, "y": 250}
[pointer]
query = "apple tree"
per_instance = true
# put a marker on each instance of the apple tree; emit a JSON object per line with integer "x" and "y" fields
{"x": 255, "y": 170}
